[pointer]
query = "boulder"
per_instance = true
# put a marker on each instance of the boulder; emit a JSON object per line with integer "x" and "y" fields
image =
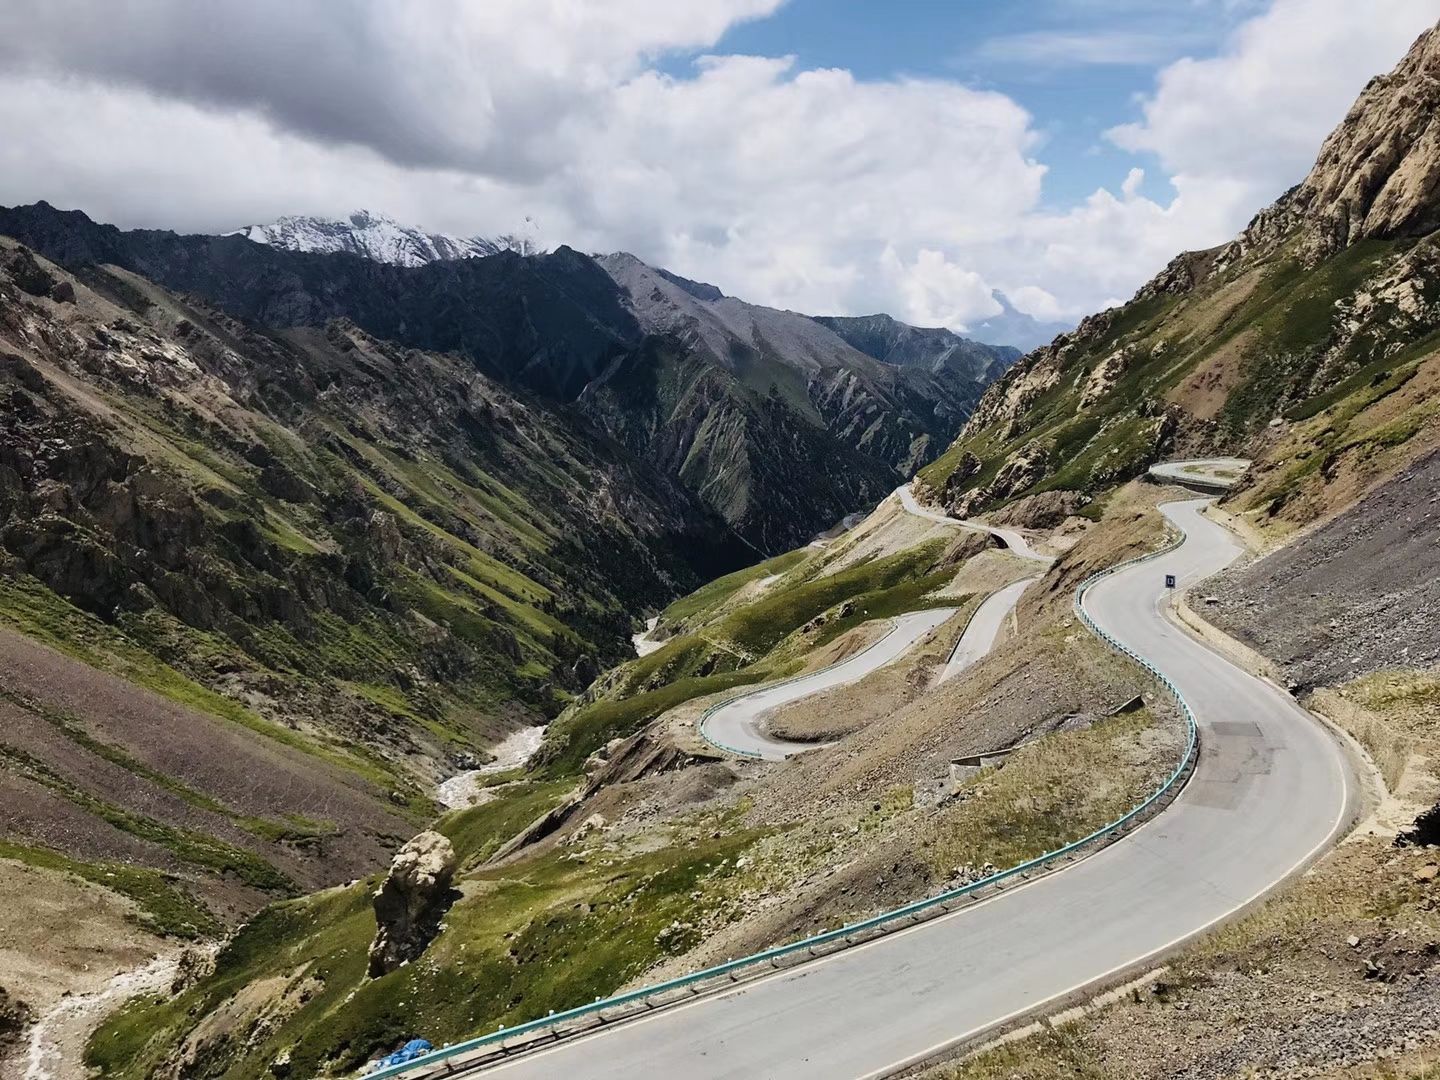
{"x": 411, "y": 901}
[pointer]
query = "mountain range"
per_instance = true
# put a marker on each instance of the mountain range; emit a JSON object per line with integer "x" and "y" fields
{"x": 374, "y": 236}
{"x": 771, "y": 418}
{"x": 299, "y": 521}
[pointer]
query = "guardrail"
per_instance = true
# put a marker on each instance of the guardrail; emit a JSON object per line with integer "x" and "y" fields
{"x": 1175, "y": 472}
{"x": 928, "y": 904}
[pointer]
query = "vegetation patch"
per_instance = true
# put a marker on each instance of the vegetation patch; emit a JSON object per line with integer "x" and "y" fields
{"x": 707, "y": 598}
{"x": 548, "y": 933}
{"x": 165, "y": 908}
{"x": 1054, "y": 791}
{"x": 753, "y": 643}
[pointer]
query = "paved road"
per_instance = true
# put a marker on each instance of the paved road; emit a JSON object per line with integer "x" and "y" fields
{"x": 1212, "y": 474}
{"x": 1013, "y": 540}
{"x": 1270, "y": 791}
{"x": 979, "y": 637}
{"x": 984, "y": 627}
{"x": 738, "y": 725}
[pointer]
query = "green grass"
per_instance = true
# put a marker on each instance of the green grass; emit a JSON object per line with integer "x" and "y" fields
{"x": 478, "y": 832}
{"x": 545, "y": 934}
{"x": 760, "y": 626}
{"x": 709, "y": 597}
{"x": 572, "y": 739}
{"x": 165, "y": 909}
{"x": 736, "y": 649}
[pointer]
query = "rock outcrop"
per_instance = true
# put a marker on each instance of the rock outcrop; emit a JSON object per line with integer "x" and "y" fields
{"x": 1044, "y": 510}
{"x": 1378, "y": 173}
{"x": 411, "y": 901}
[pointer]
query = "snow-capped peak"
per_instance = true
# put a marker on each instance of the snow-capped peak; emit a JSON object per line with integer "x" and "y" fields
{"x": 375, "y": 236}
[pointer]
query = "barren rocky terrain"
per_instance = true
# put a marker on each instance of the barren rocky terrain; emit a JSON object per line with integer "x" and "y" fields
{"x": 1357, "y": 595}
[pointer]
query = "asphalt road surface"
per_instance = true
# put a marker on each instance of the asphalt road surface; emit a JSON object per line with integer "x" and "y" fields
{"x": 1013, "y": 540}
{"x": 984, "y": 627}
{"x": 1270, "y": 791}
{"x": 1211, "y": 474}
{"x": 738, "y": 726}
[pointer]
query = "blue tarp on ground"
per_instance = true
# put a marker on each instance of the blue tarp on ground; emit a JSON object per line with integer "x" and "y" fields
{"x": 409, "y": 1052}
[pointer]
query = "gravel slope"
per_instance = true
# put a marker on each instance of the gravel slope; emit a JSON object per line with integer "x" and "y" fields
{"x": 1358, "y": 595}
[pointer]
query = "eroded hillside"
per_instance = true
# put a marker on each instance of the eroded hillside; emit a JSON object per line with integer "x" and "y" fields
{"x": 767, "y": 417}
{"x": 1309, "y": 343}
{"x": 633, "y": 849}
{"x": 262, "y": 590}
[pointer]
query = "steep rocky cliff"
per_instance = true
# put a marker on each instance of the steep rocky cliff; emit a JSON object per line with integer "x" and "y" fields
{"x": 775, "y": 416}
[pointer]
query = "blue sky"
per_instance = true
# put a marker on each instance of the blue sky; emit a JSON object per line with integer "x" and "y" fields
{"x": 1078, "y": 66}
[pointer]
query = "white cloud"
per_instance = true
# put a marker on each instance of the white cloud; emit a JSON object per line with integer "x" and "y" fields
{"x": 444, "y": 83}
{"x": 1061, "y": 48}
{"x": 809, "y": 189}
{"x": 1035, "y": 302}
{"x": 1239, "y": 128}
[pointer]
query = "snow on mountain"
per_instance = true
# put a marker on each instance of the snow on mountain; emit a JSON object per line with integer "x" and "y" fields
{"x": 377, "y": 237}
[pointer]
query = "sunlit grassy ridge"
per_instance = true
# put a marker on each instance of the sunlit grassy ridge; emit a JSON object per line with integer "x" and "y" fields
{"x": 747, "y": 644}
{"x": 545, "y": 934}
{"x": 1260, "y": 341}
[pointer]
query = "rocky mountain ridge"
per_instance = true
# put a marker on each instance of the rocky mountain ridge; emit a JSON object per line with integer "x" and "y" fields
{"x": 772, "y": 420}
{"x": 257, "y": 487}
{"x": 935, "y": 348}
{"x": 375, "y": 236}
{"x": 895, "y": 407}
{"x": 1324, "y": 309}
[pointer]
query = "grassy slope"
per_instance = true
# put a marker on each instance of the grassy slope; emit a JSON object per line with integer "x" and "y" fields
{"x": 704, "y": 600}
{"x": 564, "y": 924}
{"x": 305, "y": 536}
{"x": 544, "y": 934}
{"x": 746, "y": 645}
{"x": 1261, "y": 340}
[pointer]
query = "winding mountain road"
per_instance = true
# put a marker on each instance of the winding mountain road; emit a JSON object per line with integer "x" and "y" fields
{"x": 1208, "y": 474}
{"x": 738, "y": 726}
{"x": 984, "y": 627}
{"x": 1271, "y": 789}
{"x": 1012, "y": 539}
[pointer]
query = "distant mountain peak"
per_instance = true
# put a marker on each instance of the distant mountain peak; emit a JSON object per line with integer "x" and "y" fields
{"x": 934, "y": 348}
{"x": 375, "y": 236}
{"x": 1014, "y": 327}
